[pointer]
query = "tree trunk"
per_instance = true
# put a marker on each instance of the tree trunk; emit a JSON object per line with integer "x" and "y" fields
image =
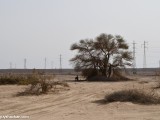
{"x": 104, "y": 72}
{"x": 109, "y": 71}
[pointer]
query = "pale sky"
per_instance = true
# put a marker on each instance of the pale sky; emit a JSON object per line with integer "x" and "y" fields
{"x": 35, "y": 29}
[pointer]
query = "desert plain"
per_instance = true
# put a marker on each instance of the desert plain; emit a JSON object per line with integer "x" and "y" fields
{"x": 80, "y": 101}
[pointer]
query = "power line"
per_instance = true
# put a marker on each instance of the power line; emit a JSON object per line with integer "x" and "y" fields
{"x": 45, "y": 63}
{"x": 144, "y": 55}
{"x": 134, "y": 57}
{"x": 25, "y": 63}
{"x": 51, "y": 64}
{"x": 60, "y": 62}
{"x": 10, "y": 64}
{"x": 15, "y": 66}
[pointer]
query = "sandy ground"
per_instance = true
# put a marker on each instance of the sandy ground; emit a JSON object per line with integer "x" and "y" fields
{"x": 79, "y": 102}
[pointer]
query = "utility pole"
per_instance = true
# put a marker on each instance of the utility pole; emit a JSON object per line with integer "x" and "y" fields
{"x": 60, "y": 62}
{"x": 134, "y": 58}
{"x": 144, "y": 56}
{"x": 45, "y": 63}
{"x": 10, "y": 65}
{"x": 51, "y": 64}
{"x": 25, "y": 63}
{"x": 15, "y": 66}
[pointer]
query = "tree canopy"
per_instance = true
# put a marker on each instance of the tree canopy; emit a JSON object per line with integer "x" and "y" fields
{"x": 100, "y": 56}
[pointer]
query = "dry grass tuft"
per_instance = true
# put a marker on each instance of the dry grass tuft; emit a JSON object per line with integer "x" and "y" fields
{"x": 134, "y": 95}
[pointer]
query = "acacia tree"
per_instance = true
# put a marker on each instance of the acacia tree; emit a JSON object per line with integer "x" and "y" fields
{"x": 101, "y": 55}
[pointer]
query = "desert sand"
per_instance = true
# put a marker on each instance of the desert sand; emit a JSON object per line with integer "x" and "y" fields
{"x": 81, "y": 101}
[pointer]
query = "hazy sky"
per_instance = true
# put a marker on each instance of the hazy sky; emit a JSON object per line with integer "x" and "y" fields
{"x": 35, "y": 29}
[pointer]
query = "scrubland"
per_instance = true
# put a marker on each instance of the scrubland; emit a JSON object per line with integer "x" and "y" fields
{"x": 84, "y": 100}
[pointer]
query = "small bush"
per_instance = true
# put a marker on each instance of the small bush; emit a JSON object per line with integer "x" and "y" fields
{"x": 134, "y": 95}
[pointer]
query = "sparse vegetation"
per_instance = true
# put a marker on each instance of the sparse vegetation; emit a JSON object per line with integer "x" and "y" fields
{"x": 12, "y": 79}
{"x": 158, "y": 85}
{"x": 42, "y": 87}
{"x": 133, "y": 95}
{"x": 158, "y": 79}
{"x": 38, "y": 83}
{"x": 42, "y": 84}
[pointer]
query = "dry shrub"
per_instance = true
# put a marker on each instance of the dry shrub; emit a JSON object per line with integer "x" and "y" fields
{"x": 158, "y": 79}
{"x": 143, "y": 82}
{"x": 94, "y": 75}
{"x": 43, "y": 85}
{"x": 117, "y": 76}
{"x": 133, "y": 95}
{"x": 158, "y": 85}
{"x": 12, "y": 79}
